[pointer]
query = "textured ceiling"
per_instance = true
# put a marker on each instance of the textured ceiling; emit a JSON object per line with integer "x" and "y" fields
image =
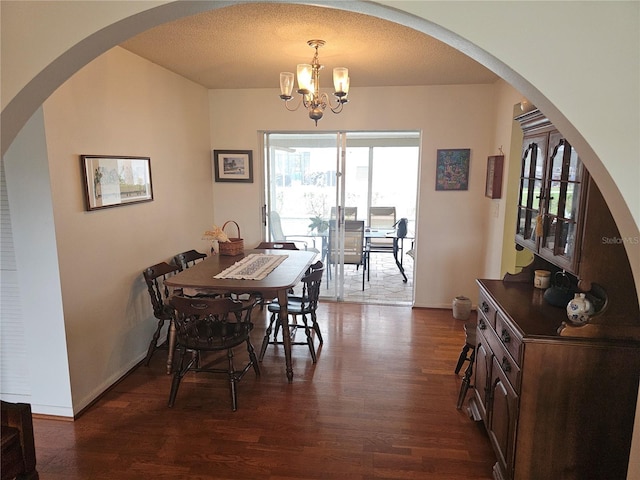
{"x": 248, "y": 45}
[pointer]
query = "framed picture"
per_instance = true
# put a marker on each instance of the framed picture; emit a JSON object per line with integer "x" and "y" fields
{"x": 233, "y": 165}
{"x": 112, "y": 181}
{"x": 493, "y": 187}
{"x": 452, "y": 169}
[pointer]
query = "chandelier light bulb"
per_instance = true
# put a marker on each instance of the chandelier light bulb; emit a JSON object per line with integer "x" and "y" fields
{"x": 341, "y": 80}
{"x": 305, "y": 73}
{"x": 286, "y": 85}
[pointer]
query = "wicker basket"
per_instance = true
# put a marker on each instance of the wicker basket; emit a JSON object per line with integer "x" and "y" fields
{"x": 235, "y": 246}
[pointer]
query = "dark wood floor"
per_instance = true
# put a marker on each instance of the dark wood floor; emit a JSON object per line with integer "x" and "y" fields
{"x": 379, "y": 404}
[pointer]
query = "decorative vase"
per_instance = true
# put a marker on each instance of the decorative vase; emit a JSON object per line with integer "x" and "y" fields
{"x": 580, "y": 309}
{"x": 461, "y": 308}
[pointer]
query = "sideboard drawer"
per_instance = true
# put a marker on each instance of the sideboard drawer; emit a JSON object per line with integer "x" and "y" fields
{"x": 509, "y": 366}
{"x": 487, "y": 309}
{"x": 508, "y": 336}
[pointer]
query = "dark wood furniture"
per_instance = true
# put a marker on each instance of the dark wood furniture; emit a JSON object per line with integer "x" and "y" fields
{"x": 188, "y": 258}
{"x": 552, "y": 194}
{"x": 205, "y": 325}
{"x": 200, "y": 277}
{"x": 18, "y": 448}
{"x": 303, "y": 307}
{"x": 555, "y": 406}
{"x": 155, "y": 277}
{"x": 577, "y": 231}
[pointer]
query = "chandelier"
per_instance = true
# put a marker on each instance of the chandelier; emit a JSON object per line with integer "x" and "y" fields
{"x": 309, "y": 86}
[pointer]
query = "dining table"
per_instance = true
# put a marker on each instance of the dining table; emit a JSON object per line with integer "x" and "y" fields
{"x": 206, "y": 277}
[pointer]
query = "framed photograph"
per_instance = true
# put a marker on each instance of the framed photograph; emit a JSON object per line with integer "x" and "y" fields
{"x": 233, "y": 165}
{"x": 112, "y": 181}
{"x": 452, "y": 169}
{"x": 493, "y": 187}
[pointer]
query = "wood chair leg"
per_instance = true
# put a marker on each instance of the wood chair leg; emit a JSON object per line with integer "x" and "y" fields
{"x": 462, "y": 358}
{"x": 253, "y": 358}
{"x": 267, "y": 335}
{"x": 466, "y": 380}
{"x": 316, "y": 327}
{"x": 232, "y": 381}
{"x": 177, "y": 377}
{"x": 153, "y": 345}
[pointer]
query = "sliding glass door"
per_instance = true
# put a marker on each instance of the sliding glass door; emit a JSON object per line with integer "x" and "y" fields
{"x": 320, "y": 190}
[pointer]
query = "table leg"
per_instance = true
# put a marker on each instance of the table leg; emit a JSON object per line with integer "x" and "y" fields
{"x": 398, "y": 262}
{"x": 171, "y": 346}
{"x": 283, "y": 299}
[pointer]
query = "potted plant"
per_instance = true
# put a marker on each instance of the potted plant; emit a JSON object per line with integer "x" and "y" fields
{"x": 318, "y": 224}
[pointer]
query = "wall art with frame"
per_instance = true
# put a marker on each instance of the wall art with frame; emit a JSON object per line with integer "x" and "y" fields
{"x": 493, "y": 186}
{"x": 114, "y": 181}
{"x": 452, "y": 169}
{"x": 233, "y": 165}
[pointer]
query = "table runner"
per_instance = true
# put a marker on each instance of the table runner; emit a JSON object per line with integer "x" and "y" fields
{"x": 254, "y": 266}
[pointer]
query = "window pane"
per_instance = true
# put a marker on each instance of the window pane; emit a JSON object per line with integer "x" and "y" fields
{"x": 537, "y": 190}
{"x": 572, "y": 204}
{"x": 556, "y": 163}
{"x": 554, "y": 198}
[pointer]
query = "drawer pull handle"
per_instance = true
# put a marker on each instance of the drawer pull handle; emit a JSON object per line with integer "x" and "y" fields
{"x": 506, "y": 338}
{"x": 505, "y": 365}
{"x": 485, "y": 307}
{"x": 482, "y": 325}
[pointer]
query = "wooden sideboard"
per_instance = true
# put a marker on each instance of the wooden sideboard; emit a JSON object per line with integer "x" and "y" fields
{"x": 554, "y": 406}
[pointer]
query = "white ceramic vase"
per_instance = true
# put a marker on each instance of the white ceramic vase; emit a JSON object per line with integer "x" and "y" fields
{"x": 580, "y": 309}
{"x": 461, "y": 308}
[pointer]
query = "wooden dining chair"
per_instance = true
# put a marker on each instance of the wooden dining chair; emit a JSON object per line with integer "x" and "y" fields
{"x": 205, "y": 325}
{"x": 154, "y": 277}
{"x": 301, "y": 307}
{"x": 189, "y": 258}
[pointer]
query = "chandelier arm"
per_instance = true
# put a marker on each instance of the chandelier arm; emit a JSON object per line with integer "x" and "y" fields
{"x": 286, "y": 104}
{"x": 337, "y": 108}
{"x": 323, "y": 100}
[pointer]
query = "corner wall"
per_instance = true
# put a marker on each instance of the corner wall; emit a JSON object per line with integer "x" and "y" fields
{"x": 120, "y": 104}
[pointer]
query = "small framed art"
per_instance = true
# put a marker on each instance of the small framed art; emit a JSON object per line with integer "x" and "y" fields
{"x": 452, "y": 169}
{"x": 493, "y": 188}
{"x": 233, "y": 165}
{"x": 112, "y": 181}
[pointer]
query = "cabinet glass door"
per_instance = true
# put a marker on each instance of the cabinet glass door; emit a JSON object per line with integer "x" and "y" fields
{"x": 562, "y": 194}
{"x": 531, "y": 182}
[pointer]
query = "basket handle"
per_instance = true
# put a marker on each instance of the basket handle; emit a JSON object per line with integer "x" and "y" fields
{"x": 237, "y": 226}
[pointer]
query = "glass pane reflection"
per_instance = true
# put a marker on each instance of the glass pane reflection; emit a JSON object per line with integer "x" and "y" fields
{"x": 573, "y": 199}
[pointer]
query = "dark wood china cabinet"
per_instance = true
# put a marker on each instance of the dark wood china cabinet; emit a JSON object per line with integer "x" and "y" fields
{"x": 551, "y": 196}
{"x": 558, "y": 400}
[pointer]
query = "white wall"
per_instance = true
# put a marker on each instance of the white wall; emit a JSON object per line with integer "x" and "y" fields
{"x": 457, "y": 231}
{"x": 44, "y": 345}
{"x": 122, "y": 105}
